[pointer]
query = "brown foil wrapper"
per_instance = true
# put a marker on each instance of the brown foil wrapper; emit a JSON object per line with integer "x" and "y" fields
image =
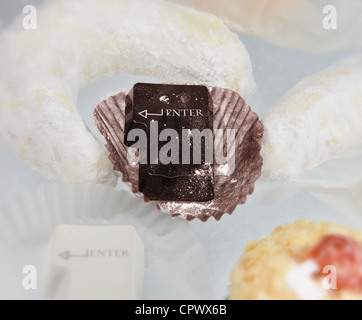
{"x": 230, "y": 111}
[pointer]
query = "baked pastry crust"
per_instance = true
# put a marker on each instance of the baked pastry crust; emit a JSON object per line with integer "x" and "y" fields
{"x": 260, "y": 274}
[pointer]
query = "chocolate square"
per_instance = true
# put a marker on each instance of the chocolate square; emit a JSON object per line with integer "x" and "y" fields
{"x": 183, "y": 108}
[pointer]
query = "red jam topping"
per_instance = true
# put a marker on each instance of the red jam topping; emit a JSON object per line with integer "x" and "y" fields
{"x": 343, "y": 253}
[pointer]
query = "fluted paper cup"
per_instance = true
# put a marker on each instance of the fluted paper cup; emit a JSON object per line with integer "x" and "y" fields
{"x": 175, "y": 265}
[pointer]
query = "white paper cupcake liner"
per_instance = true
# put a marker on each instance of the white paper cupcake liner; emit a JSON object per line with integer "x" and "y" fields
{"x": 175, "y": 263}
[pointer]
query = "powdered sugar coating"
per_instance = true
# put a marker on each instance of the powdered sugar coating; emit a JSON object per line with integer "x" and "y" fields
{"x": 317, "y": 120}
{"x": 78, "y": 42}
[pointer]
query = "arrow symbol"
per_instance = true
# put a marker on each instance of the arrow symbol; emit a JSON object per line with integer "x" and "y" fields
{"x": 67, "y": 255}
{"x": 145, "y": 114}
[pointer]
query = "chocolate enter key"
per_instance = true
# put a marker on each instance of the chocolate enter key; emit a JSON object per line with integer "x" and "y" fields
{"x": 177, "y": 120}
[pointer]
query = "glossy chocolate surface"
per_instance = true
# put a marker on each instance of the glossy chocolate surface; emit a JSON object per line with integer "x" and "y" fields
{"x": 182, "y": 108}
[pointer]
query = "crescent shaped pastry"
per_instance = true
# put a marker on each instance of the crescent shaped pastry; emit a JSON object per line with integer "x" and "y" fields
{"x": 304, "y": 261}
{"x": 80, "y": 41}
{"x": 314, "y": 26}
{"x": 317, "y": 120}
